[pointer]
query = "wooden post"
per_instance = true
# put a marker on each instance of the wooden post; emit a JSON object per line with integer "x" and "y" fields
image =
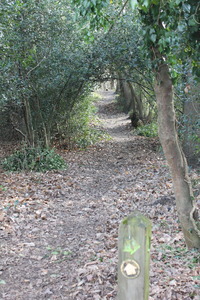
{"x": 134, "y": 257}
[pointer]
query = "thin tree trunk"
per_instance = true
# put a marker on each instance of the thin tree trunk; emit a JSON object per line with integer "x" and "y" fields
{"x": 138, "y": 102}
{"x": 187, "y": 212}
{"x": 45, "y": 135}
{"x": 28, "y": 122}
{"x": 26, "y": 109}
{"x": 192, "y": 113}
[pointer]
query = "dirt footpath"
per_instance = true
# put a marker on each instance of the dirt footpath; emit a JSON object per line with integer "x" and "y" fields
{"x": 59, "y": 230}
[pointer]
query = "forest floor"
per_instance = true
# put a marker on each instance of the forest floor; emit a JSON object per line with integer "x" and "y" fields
{"x": 59, "y": 230}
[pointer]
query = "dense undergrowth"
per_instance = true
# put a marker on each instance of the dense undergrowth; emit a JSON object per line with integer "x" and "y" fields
{"x": 34, "y": 159}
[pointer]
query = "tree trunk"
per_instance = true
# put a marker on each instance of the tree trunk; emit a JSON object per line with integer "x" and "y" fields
{"x": 28, "y": 122}
{"x": 191, "y": 144}
{"x": 187, "y": 212}
{"x": 138, "y": 102}
{"x": 126, "y": 96}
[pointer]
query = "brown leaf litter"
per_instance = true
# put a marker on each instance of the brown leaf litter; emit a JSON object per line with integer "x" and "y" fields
{"x": 59, "y": 229}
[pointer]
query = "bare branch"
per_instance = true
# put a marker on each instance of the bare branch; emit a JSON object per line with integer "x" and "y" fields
{"x": 36, "y": 65}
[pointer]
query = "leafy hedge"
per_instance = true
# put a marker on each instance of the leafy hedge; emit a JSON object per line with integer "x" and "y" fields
{"x": 149, "y": 130}
{"x": 34, "y": 159}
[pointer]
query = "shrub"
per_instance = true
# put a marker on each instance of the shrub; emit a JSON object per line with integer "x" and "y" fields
{"x": 148, "y": 130}
{"x": 80, "y": 130}
{"x": 34, "y": 159}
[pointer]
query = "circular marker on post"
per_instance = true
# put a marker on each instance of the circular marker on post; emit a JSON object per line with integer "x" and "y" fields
{"x": 130, "y": 269}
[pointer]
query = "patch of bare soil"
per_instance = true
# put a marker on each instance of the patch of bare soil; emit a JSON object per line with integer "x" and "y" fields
{"x": 59, "y": 230}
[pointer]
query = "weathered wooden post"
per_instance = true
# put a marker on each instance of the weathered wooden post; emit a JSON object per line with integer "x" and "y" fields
{"x": 134, "y": 257}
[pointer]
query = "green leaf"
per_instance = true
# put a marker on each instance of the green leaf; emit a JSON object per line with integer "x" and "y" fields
{"x": 196, "y": 277}
{"x": 181, "y": 27}
{"x": 153, "y": 37}
{"x": 152, "y": 30}
{"x": 133, "y": 3}
{"x": 146, "y": 3}
{"x": 66, "y": 253}
{"x": 192, "y": 22}
{"x": 55, "y": 252}
{"x": 2, "y": 282}
{"x": 131, "y": 246}
{"x": 186, "y": 7}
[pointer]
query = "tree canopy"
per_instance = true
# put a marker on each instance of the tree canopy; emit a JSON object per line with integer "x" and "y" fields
{"x": 170, "y": 30}
{"x": 53, "y": 55}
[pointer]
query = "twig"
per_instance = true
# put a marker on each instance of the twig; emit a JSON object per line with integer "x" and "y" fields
{"x": 36, "y": 65}
{"x": 18, "y": 130}
{"x": 111, "y": 27}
